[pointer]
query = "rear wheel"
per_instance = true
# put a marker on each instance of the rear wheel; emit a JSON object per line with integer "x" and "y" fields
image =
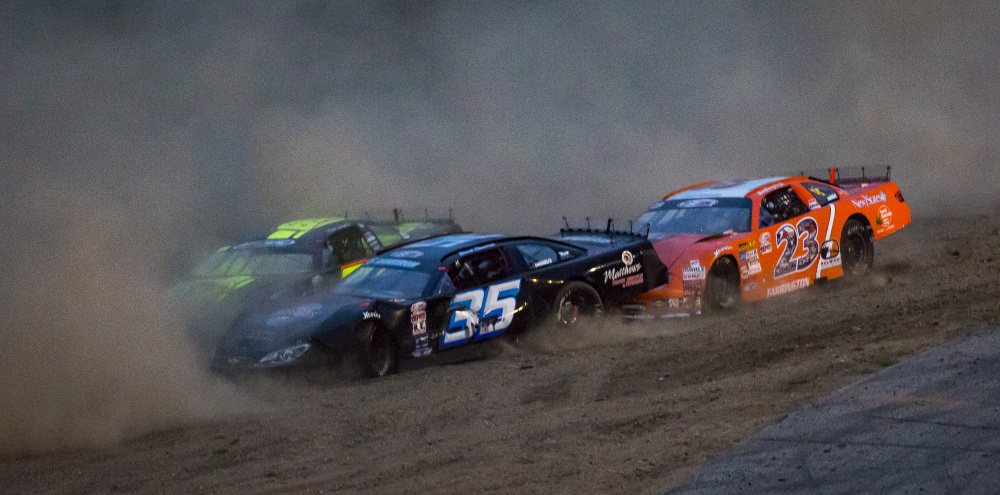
{"x": 376, "y": 350}
{"x": 722, "y": 287}
{"x": 857, "y": 248}
{"x": 576, "y": 303}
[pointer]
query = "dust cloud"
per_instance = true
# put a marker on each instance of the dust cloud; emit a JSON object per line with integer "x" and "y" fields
{"x": 138, "y": 135}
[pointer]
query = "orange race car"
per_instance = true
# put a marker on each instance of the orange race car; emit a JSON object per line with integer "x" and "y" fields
{"x": 728, "y": 242}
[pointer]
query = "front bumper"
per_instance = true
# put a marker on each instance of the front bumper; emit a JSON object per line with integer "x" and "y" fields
{"x": 656, "y": 310}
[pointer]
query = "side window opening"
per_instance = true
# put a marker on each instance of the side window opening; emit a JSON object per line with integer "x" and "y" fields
{"x": 345, "y": 246}
{"x": 479, "y": 269}
{"x": 387, "y": 234}
{"x": 537, "y": 255}
{"x": 824, "y": 194}
{"x": 781, "y": 205}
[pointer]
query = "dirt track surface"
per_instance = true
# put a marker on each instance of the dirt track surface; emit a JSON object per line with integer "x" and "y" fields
{"x": 631, "y": 408}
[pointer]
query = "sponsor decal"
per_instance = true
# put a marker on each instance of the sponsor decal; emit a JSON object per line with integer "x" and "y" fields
{"x": 765, "y": 243}
{"x": 634, "y": 280}
{"x": 772, "y": 187}
{"x": 418, "y": 319}
{"x": 749, "y": 286}
{"x": 406, "y": 253}
{"x": 368, "y": 315}
{"x": 698, "y": 203}
{"x": 693, "y": 273}
{"x": 615, "y": 276}
{"x": 750, "y": 269}
{"x": 884, "y": 216}
{"x": 671, "y": 304}
{"x": 546, "y": 261}
{"x": 867, "y": 200}
{"x": 722, "y": 250}
{"x": 787, "y": 287}
{"x": 694, "y": 263}
{"x": 830, "y": 249}
{"x": 563, "y": 255}
{"x": 394, "y": 262}
{"x": 748, "y": 256}
{"x": 747, "y": 246}
{"x": 829, "y": 263}
{"x": 813, "y": 204}
{"x": 476, "y": 249}
{"x": 627, "y": 257}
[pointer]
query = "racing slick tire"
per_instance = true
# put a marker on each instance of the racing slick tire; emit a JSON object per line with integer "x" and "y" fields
{"x": 722, "y": 287}
{"x": 857, "y": 248}
{"x": 376, "y": 350}
{"x": 575, "y": 303}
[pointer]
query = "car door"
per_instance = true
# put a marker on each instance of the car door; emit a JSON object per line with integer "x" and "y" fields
{"x": 790, "y": 235}
{"x": 485, "y": 300}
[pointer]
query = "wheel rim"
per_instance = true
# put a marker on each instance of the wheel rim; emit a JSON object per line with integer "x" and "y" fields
{"x": 380, "y": 352}
{"x": 575, "y": 306}
{"x": 853, "y": 253}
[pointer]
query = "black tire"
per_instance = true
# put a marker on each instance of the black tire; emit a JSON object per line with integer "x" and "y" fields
{"x": 376, "y": 350}
{"x": 575, "y": 303}
{"x": 857, "y": 248}
{"x": 722, "y": 287}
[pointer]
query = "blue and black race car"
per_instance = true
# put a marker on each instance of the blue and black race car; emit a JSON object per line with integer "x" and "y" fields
{"x": 441, "y": 293}
{"x": 292, "y": 257}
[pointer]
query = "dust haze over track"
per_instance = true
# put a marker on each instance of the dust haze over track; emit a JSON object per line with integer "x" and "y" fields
{"x": 137, "y": 133}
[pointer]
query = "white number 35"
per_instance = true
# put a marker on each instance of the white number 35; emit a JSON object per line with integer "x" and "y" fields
{"x": 481, "y": 320}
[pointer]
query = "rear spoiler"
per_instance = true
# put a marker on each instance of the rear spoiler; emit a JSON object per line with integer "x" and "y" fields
{"x": 839, "y": 177}
{"x": 854, "y": 179}
{"x": 609, "y": 231}
{"x": 398, "y": 217}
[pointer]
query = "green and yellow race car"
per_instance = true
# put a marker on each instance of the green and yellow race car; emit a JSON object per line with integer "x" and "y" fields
{"x": 296, "y": 256}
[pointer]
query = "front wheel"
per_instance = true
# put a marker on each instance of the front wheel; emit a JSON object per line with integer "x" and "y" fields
{"x": 857, "y": 248}
{"x": 722, "y": 287}
{"x": 376, "y": 350}
{"x": 575, "y": 303}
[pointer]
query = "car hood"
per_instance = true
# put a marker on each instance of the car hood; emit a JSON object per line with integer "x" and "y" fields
{"x": 281, "y": 322}
{"x": 669, "y": 247}
{"x": 209, "y": 305}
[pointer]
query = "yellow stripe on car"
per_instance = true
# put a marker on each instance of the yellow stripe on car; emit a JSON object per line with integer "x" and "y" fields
{"x": 346, "y": 269}
{"x": 298, "y": 228}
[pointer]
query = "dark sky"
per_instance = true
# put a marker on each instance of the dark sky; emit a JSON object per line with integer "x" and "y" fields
{"x": 512, "y": 113}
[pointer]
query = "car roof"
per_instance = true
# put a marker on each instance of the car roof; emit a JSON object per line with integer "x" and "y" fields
{"x": 436, "y": 248}
{"x": 735, "y": 189}
{"x": 298, "y": 235}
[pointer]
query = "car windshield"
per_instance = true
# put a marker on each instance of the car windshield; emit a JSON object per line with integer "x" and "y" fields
{"x": 384, "y": 282}
{"x": 699, "y": 216}
{"x": 233, "y": 262}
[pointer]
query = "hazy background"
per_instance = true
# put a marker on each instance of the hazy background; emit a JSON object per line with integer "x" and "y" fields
{"x": 137, "y": 132}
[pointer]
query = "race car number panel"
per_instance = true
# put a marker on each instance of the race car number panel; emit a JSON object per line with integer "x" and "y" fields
{"x": 806, "y": 231}
{"x": 487, "y": 312}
